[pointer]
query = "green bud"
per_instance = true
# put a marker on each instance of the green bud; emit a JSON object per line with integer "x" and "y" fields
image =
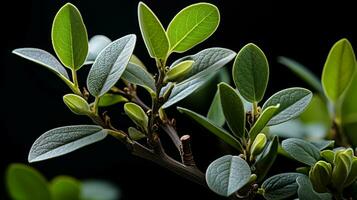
{"x": 328, "y": 155}
{"x": 342, "y": 168}
{"x": 76, "y": 104}
{"x": 135, "y": 134}
{"x": 253, "y": 178}
{"x": 177, "y": 72}
{"x": 258, "y": 144}
{"x": 320, "y": 176}
{"x": 137, "y": 115}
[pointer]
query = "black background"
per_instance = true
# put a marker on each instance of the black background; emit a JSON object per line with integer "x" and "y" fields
{"x": 31, "y": 97}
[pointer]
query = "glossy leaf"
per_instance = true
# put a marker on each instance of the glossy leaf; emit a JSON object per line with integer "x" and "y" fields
{"x": 251, "y": 72}
{"x": 280, "y": 186}
{"x": 301, "y": 150}
{"x": 192, "y": 25}
{"x": 137, "y": 75}
{"x": 263, "y": 120}
{"x": 153, "y": 33}
{"x": 266, "y": 159}
{"x": 111, "y": 99}
{"x": 179, "y": 71}
{"x": 306, "y": 192}
{"x": 96, "y": 44}
{"x": 227, "y": 175}
{"x": 63, "y": 140}
{"x": 233, "y": 109}
{"x": 25, "y": 183}
{"x": 338, "y": 70}
{"x": 137, "y": 115}
{"x": 216, "y": 130}
{"x": 110, "y": 65}
{"x": 99, "y": 190}
{"x": 215, "y": 113}
{"x": 69, "y": 37}
{"x": 293, "y": 102}
{"x": 76, "y": 104}
{"x": 64, "y": 187}
{"x": 135, "y": 134}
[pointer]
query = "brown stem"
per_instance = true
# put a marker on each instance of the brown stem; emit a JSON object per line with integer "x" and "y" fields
{"x": 171, "y": 132}
{"x": 187, "y": 156}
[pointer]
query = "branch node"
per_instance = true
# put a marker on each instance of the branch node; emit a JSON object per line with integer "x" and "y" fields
{"x": 187, "y": 157}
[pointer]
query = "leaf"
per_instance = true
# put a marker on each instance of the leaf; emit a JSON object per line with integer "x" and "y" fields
{"x": 65, "y": 187}
{"x": 111, "y": 99}
{"x": 227, "y": 175}
{"x": 293, "y": 102}
{"x": 26, "y": 183}
{"x": 304, "y": 73}
{"x": 182, "y": 90}
{"x": 135, "y": 134}
{"x": 206, "y": 62}
{"x": 137, "y": 115}
{"x": 99, "y": 190}
{"x": 338, "y": 70}
{"x": 45, "y": 59}
{"x": 280, "y": 186}
{"x": 263, "y": 120}
{"x": 96, "y": 44}
{"x": 215, "y": 113}
{"x": 192, "y": 25}
{"x": 233, "y": 109}
{"x": 301, "y": 150}
{"x": 153, "y": 32}
{"x": 134, "y": 59}
{"x": 178, "y": 72}
{"x": 139, "y": 76}
{"x": 69, "y": 37}
{"x": 323, "y": 144}
{"x": 110, "y": 65}
{"x": 63, "y": 140}
{"x": 251, "y": 72}
{"x": 258, "y": 144}
{"x": 306, "y": 192}
{"x": 76, "y": 104}
{"x": 266, "y": 159}
{"x": 218, "y": 131}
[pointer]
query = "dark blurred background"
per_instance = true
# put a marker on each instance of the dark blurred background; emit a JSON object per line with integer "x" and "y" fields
{"x": 31, "y": 97}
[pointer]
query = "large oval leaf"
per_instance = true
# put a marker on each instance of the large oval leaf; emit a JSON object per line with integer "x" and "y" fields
{"x": 306, "y": 192}
{"x": 215, "y": 112}
{"x": 63, "y": 140}
{"x": 96, "y": 44}
{"x": 110, "y": 65}
{"x": 25, "y": 183}
{"x": 233, "y": 109}
{"x": 218, "y": 131}
{"x": 137, "y": 75}
{"x": 69, "y": 37}
{"x": 192, "y": 25}
{"x": 153, "y": 33}
{"x": 280, "y": 186}
{"x": 227, "y": 175}
{"x": 65, "y": 187}
{"x": 251, "y": 72}
{"x": 293, "y": 102}
{"x": 301, "y": 150}
{"x": 339, "y": 68}
{"x": 262, "y": 121}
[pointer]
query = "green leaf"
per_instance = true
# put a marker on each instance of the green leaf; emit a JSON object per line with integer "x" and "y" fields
{"x": 227, "y": 175}
{"x": 317, "y": 112}
{"x": 266, "y": 159}
{"x": 99, "y": 190}
{"x": 96, "y": 44}
{"x": 328, "y": 155}
{"x": 65, "y": 187}
{"x": 110, "y": 65}
{"x": 69, "y": 37}
{"x": 134, "y": 59}
{"x": 192, "y": 25}
{"x": 153, "y": 33}
{"x": 320, "y": 176}
{"x": 280, "y": 186}
{"x": 135, "y": 134}
{"x": 137, "y": 75}
{"x": 111, "y": 99}
{"x": 137, "y": 115}
{"x": 215, "y": 113}
{"x": 338, "y": 70}
{"x": 263, "y": 120}
{"x": 352, "y": 176}
{"x": 76, "y": 104}
{"x": 179, "y": 71}
{"x": 233, "y": 109}
{"x": 258, "y": 144}
{"x": 306, "y": 192}
{"x": 342, "y": 167}
{"x": 63, "y": 140}
{"x": 301, "y": 150}
{"x": 218, "y": 131}
{"x": 323, "y": 144}
{"x": 293, "y": 102}
{"x": 206, "y": 62}
{"x": 304, "y": 73}
{"x": 26, "y": 183}
{"x": 251, "y": 72}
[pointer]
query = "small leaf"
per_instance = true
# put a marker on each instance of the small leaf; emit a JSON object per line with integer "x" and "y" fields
{"x": 64, "y": 187}
{"x": 262, "y": 121}
{"x": 280, "y": 186}
{"x": 301, "y": 150}
{"x": 266, "y": 159}
{"x": 328, "y": 155}
{"x": 192, "y": 25}
{"x": 135, "y": 134}
{"x": 26, "y": 183}
{"x": 134, "y": 59}
{"x": 258, "y": 144}
{"x": 304, "y": 73}
{"x": 215, "y": 112}
{"x": 76, "y": 104}
{"x": 352, "y": 176}
{"x": 110, "y": 65}
{"x": 111, "y": 99}
{"x": 153, "y": 33}
{"x": 293, "y": 102}
{"x": 306, "y": 192}
{"x": 342, "y": 167}
{"x": 99, "y": 190}
{"x": 320, "y": 176}
{"x": 137, "y": 115}
{"x": 338, "y": 70}
{"x": 233, "y": 109}
{"x": 139, "y": 76}
{"x": 227, "y": 175}
{"x": 218, "y": 131}
{"x": 251, "y": 72}
{"x": 179, "y": 71}
{"x": 63, "y": 140}
{"x": 96, "y": 44}
{"x": 69, "y": 37}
